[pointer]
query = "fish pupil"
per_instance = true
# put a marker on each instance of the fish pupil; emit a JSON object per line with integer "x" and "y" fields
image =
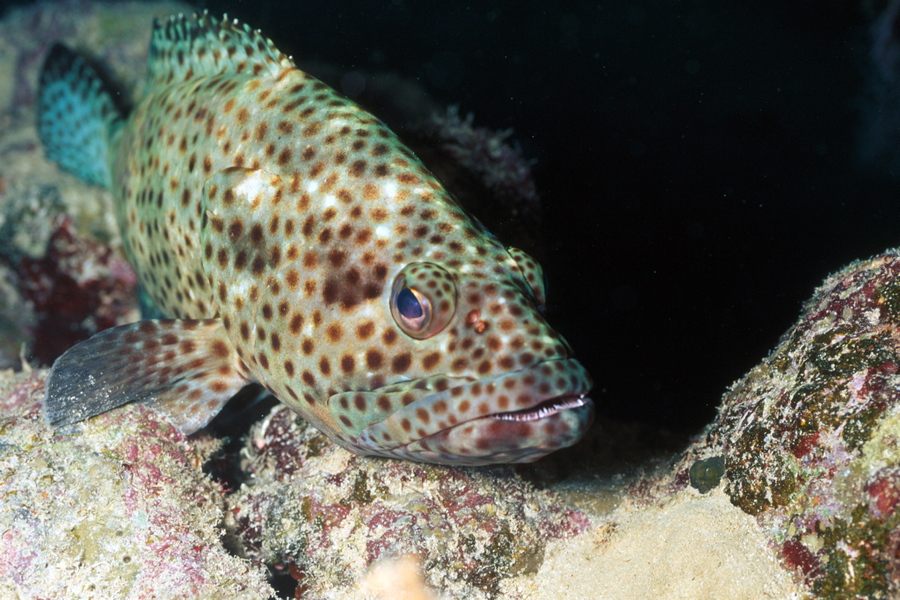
{"x": 408, "y": 305}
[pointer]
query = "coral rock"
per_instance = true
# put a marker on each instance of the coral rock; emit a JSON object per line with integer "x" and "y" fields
{"x": 119, "y": 510}
{"x": 811, "y": 437}
{"x": 79, "y": 287}
{"x": 313, "y": 502}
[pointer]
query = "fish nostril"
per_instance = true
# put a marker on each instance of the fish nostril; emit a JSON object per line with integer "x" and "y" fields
{"x": 473, "y": 319}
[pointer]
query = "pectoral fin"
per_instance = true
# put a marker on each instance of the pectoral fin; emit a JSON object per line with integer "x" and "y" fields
{"x": 185, "y": 370}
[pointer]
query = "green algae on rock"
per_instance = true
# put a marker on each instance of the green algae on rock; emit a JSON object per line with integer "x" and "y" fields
{"x": 811, "y": 437}
{"x": 706, "y": 473}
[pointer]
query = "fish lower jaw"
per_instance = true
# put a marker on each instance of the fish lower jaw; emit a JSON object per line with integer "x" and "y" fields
{"x": 517, "y": 416}
{"x": 521, "y": 436}
{"x": 543, "y": 409}
{"x": 513, "y": 437}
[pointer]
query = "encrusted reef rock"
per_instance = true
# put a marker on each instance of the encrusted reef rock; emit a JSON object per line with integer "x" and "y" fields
{"x": 331, "y": 514}
{"x": 120, "y": 509}
{"x": 811, "y": 437}
{"x": 77, "y": 288}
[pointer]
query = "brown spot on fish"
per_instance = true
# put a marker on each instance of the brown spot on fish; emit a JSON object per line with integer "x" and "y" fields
{"x": 284, "y": 157}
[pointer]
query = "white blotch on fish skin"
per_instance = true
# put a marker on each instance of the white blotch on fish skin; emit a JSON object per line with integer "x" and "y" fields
{"x": 312, "y": 186}
{"x": 250, "y": 188}
{"x": 389, "y": 189}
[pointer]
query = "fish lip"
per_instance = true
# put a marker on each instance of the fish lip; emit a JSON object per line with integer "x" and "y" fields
{"x": 548, "y": 403}
{"x": 561, "y": 397}
{"x": 506, "y": 437}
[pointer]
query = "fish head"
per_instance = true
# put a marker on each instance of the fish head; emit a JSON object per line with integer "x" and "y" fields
{"x": 484, "y": 380}
{"x": 419, "y": 338}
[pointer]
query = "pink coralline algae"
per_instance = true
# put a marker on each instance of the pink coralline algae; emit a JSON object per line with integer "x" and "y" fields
{"x": 119, "y": 510}
{"x": 472, "y": 527}
{"x": 811, "y": 437}
{"x": 77, "y": 288}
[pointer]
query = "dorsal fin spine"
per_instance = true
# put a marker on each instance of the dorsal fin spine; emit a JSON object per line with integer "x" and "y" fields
{"x": 203, "y": 45}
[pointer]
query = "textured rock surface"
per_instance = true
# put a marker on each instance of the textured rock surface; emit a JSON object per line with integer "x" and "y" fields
{"x": 312, "y": 503}
{"x": 120, "y": 509}
{"x": 77, "y": 288}
{"x": 811, "y": 437}
{"x": 683, "y": 546}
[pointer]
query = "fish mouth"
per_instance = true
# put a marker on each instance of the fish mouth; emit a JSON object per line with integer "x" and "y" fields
{"x": 521, "y": 436}
{"x": 518, "y": 416}
{"x": 544, "y": 409}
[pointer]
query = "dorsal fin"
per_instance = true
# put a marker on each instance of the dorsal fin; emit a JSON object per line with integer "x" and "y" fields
{"x": 204, "y": 46}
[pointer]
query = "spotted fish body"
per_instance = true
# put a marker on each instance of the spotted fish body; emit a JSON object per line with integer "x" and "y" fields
{"x": 294, "y": 241}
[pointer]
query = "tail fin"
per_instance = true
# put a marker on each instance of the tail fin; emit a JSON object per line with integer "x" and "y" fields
{"x": 76, "y": 116}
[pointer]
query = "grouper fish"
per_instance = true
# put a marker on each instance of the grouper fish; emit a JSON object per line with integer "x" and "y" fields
{"x": 291, "y": 240}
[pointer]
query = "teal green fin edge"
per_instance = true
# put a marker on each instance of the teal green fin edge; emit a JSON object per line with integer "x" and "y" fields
{"x": 76, "y": 116}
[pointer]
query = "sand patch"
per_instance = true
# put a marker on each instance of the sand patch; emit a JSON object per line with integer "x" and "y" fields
{"x": 694, "y": 547}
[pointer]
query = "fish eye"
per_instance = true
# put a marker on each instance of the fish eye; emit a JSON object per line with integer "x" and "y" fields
{"x": 413, "y": 311}
{"x": 423, "y": 300}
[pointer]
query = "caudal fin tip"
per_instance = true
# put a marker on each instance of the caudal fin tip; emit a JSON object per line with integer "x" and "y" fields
{"x": 76, "y": 115}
